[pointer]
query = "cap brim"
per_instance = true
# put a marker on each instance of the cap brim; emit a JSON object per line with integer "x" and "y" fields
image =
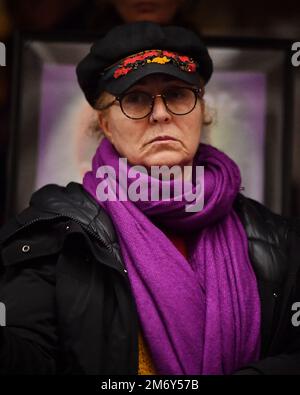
{"x": 120, "y": 85}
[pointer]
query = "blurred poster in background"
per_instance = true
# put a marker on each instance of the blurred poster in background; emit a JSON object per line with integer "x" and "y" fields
{"x": 56, "y": 131}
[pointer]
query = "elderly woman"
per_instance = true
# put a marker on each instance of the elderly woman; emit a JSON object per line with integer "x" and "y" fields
{"x": 102, "y": 278}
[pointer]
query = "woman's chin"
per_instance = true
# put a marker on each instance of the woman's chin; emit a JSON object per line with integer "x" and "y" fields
{"x": 164, "y": 160}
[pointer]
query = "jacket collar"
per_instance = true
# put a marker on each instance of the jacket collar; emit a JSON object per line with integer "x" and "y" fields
{"x": 54, "y": 201}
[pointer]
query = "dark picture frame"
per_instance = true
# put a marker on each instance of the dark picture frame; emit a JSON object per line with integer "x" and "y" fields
{"x": 250, "y": 97}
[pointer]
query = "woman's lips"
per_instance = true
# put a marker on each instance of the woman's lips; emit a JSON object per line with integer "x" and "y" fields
{"x": 163, "y": 139}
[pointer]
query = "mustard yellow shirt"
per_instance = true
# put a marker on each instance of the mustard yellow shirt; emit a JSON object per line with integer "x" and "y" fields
{"x": 146, "y": 366}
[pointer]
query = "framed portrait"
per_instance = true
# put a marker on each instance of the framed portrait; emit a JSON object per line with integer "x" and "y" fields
{"x": 55, "y": 132}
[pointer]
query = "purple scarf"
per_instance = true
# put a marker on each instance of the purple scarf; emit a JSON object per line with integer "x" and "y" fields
{"x": 201, "y": 315}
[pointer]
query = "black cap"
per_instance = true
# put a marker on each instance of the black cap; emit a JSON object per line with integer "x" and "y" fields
{"x": 132, "y": 51}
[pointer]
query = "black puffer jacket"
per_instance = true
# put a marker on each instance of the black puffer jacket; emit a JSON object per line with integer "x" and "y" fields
{"x": 68, "y": 303}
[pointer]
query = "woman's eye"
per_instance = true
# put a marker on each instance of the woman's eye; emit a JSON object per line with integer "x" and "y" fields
{"x": 134, "y": 97}
{"x": 137, "y": 97}
{"x": 174, "y": 94}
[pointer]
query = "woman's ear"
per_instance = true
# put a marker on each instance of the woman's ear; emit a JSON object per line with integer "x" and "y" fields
{"x": 104, "y": 125}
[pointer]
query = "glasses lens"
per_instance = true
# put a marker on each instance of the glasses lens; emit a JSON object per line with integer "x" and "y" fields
{"x": 180, "y": 100}
{"x": 136, "y": 104}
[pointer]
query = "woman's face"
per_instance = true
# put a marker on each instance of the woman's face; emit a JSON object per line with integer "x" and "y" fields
{"x": 159, "y": 11}
{"x": 133, "y": 138}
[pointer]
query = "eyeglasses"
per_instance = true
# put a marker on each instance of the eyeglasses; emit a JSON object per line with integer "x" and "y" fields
{"x": 139, "y": 104}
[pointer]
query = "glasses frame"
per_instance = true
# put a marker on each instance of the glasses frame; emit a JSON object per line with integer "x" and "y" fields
{"x": 198, "y": 93}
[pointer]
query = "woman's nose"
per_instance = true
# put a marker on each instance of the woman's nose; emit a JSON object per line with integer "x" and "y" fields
{"x": 159, "y": 112}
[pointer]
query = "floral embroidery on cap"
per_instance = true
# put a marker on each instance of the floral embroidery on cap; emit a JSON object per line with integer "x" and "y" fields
{"x": 132, "y": 62}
